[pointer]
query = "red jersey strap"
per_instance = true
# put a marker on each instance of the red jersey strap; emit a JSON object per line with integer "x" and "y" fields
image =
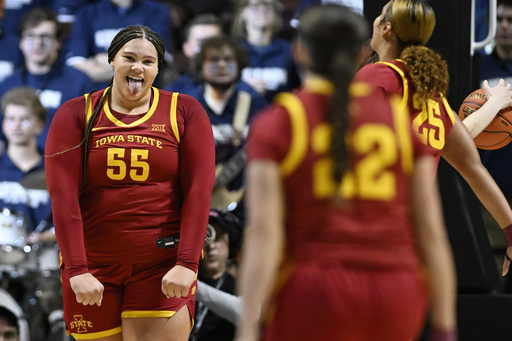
{"x": 299, "y": 126}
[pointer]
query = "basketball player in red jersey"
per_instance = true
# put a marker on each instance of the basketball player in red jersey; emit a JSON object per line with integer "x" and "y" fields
{"x": 146, "y": 173}
{"x": 404, "y": 66}
{"x": 329, "y": 221}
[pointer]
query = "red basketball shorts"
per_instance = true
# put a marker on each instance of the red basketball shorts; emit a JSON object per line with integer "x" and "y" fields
{"x": 333, "y": 302}
{"x": 131, "y": 290}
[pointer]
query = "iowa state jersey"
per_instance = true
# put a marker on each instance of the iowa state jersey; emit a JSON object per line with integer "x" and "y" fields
{"x": 432, "y": 120}
{"x": 132, "y": 178}
{"x": 148, "y": 176}
{"x": 374, "y": 217}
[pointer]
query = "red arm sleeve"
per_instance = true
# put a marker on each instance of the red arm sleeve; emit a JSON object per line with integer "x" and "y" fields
{"x": 197, "y": 175}
{"x": 64, "y": 170}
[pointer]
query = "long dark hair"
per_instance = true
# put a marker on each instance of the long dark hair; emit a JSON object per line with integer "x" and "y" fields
{"x": 334, "y": 36}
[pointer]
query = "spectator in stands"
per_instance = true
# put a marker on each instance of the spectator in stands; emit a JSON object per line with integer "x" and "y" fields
{"x": 55, "y": 83}
{"x": 10, "y": 55}
{"x": 186, "y": 10}
{"x": 355, "y": 5}
{"x": 98, "y": 22}
{"x": 14, "y": 11}
{"x": 66, "y": 9}
{"x": 214, "y": 271}
{"x": 271, "y": 67}
{"x": 23, "y": 121}
{"x": 9, "y": 327}
{"x": 230, "y": 104}
{"x": 198, "y": 29}
{"x": 498, "y": 64}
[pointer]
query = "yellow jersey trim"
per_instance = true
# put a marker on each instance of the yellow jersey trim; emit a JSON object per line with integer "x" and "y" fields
{"x": 147, "y": 116}
{"x": 88, "y": 109}
{"x": 174, "y": 120}
{"x": 448, "y": 109}
{"x": 360, "y": 89}
{"x": 147, "y": 313}
{"x": 97, "y": 335}
{"x": 320, "y": 86}
{"x": 403, "y": 129}
{"x": 405, "y": 97}
{"x": 299, "y": 125}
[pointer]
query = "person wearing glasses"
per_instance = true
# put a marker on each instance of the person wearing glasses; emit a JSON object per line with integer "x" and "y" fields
{"x": 55, "y": 83}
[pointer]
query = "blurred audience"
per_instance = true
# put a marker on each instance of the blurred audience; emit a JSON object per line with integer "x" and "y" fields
{"x": 229, "y": 103}
{"x": 498, "y": 64}
{"x": 356, "y": 5}
{"x": 14, "y": 11}
{"x": 271, "y": 67}
{"x": 198, "y": 29}
{"x": 43, "y": 70}
{"x": 97, "y": 23}
{"x": 10, "y": 55}
{"x": 183, "y": 11}
{"x": 23, "y": 121}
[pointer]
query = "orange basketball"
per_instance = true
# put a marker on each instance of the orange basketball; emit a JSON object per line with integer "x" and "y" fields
{"x": 499, "y": 132}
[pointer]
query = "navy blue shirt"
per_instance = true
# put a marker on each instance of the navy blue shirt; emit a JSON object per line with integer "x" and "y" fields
{"x": 493, "y": 68}
{"x": 34, "y": 204}
{"x": 97, "y": 24}
{"x": 15, "y": 10}
{"x": 274, "y": 65}
{"x": 10, "y": 54}
{"x": 54, "y": 88}
{"x": 186, "y": 84}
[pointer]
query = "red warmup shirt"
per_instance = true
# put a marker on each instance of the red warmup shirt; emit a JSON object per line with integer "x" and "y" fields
{"x": 148, "y": 176}
{"x": 433, "y": 120}
{"x": 373, "y": 227}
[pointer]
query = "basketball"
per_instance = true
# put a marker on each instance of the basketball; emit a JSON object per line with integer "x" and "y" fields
{"x": 499, "y": 132}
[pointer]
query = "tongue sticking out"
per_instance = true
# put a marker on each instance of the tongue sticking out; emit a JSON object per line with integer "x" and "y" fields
{"x": 135, "y": 85}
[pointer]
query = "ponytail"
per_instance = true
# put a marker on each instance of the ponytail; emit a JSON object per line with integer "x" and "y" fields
{"x": 427, "y": 70}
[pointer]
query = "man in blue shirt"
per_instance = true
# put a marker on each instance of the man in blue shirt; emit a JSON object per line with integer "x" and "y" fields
{"x": 230, "y": 105}
{"x": 55, "y": 83}
{"x": 198, "y": 29}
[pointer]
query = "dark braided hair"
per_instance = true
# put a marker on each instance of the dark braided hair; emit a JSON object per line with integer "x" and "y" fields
{"x": 137, "y": 32}
{"x": 334, "y": 36}
{"x": 122, "y": 37}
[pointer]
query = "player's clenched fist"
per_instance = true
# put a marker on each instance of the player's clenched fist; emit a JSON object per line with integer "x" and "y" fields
{"x": 87, "y": 288}
{"x": 177, "y": 281}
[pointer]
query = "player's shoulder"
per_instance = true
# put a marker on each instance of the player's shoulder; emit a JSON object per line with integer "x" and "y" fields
{"x": 371, "y": 70}
{"x": 74, "y": 103}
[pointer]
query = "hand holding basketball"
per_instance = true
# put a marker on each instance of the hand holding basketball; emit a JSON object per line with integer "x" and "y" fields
{"x": 499, "y": 131}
